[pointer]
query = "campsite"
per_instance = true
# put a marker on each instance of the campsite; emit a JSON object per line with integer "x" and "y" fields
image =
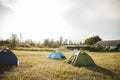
{"x": 59, "y": 39}
{"x": 34, "y": 65}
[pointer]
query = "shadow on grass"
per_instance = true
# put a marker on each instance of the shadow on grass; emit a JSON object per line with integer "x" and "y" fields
{"x": 102, "y": 70}
{"x": 5, "y": 68}
{"x": 57, "y": 59}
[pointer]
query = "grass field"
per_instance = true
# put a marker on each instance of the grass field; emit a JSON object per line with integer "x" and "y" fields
{"x": 34, "y": 65}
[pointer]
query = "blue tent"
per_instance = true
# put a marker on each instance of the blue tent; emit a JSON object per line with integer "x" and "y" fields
{"x": 7, "y": 57}
{"x": 56, "y": 55}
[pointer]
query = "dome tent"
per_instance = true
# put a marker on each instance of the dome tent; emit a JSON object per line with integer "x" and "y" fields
{"x": 56, "y": 55}
{"x": 81, "y": 59}
{"x": 7, "y": 57}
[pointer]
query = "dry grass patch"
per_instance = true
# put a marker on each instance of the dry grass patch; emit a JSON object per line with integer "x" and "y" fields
{"x": 34, "y": 65}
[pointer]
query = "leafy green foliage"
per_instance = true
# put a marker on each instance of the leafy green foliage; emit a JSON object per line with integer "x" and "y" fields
{"x": 14, "y": 41}
{"x": 100, "y": 48}
{"x": 4, "y": 43}
{"x": 92, "y": 40}
{"x": 96, "y": 48}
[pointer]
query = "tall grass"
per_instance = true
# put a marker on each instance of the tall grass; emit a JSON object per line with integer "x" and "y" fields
{"x": 34, "y": 65}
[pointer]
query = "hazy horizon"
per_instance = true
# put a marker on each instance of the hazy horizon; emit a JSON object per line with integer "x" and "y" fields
{"x": 72, "y": 19}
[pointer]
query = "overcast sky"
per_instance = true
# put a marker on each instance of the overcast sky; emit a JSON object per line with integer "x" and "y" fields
{"x": 73, "y": 19}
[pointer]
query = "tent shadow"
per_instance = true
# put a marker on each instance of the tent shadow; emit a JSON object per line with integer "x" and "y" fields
{"x": 100, "y": 69}
{"x": 58, "y": 59}
{"x": 5, "y": 68}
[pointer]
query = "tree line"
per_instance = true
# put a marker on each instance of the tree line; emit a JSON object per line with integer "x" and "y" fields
{"x": 14, "y": 42}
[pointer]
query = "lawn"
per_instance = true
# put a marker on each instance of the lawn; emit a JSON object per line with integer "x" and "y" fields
{"x": 34, "y": 65}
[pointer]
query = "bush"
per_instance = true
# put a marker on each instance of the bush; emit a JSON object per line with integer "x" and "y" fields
{"x": 96, "y": 48}
{"x": 101, "y": 48}
{"x": 1, "y": 47}
{"x": 92, "y": 48}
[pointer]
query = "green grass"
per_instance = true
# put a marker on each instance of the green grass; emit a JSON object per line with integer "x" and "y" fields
{"x": 34, "y": 65}
{"x": 35, "y": 49}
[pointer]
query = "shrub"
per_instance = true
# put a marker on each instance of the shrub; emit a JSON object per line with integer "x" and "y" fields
{"x": 96, "y": 48}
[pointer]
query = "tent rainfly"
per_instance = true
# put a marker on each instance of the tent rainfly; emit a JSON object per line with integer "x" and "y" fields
{"x": 7, "y": 57}
{"x": 56, "y": 55}
{"x": 81, "y": 59}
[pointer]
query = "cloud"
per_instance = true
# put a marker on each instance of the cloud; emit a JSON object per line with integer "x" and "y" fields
{"x": 4, "y": 11}
{"x": 72, "y": 19}
{"x": 94, "y": 16}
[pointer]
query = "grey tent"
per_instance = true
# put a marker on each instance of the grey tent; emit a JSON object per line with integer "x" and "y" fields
{"x": 7, "y": 57}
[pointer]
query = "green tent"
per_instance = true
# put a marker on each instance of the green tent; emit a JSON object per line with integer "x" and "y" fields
{"x": 81, "y": 59}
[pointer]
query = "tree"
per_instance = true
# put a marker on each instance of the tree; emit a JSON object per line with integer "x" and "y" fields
{"x": 65, "y": 42}
{"x": 61, "y": 41}
{"x": 46, "y": 43}
{"x": 80, "y": 43}
{"x": 71, "y": 42}
{"x": 56, "y": 44}
{"x": 92, "y": 40}
{"x": 38, "y": 44}
{"x": 14, "y": 41}
{"x": 51, "y": 43}
{"x": 30, "y": 43}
